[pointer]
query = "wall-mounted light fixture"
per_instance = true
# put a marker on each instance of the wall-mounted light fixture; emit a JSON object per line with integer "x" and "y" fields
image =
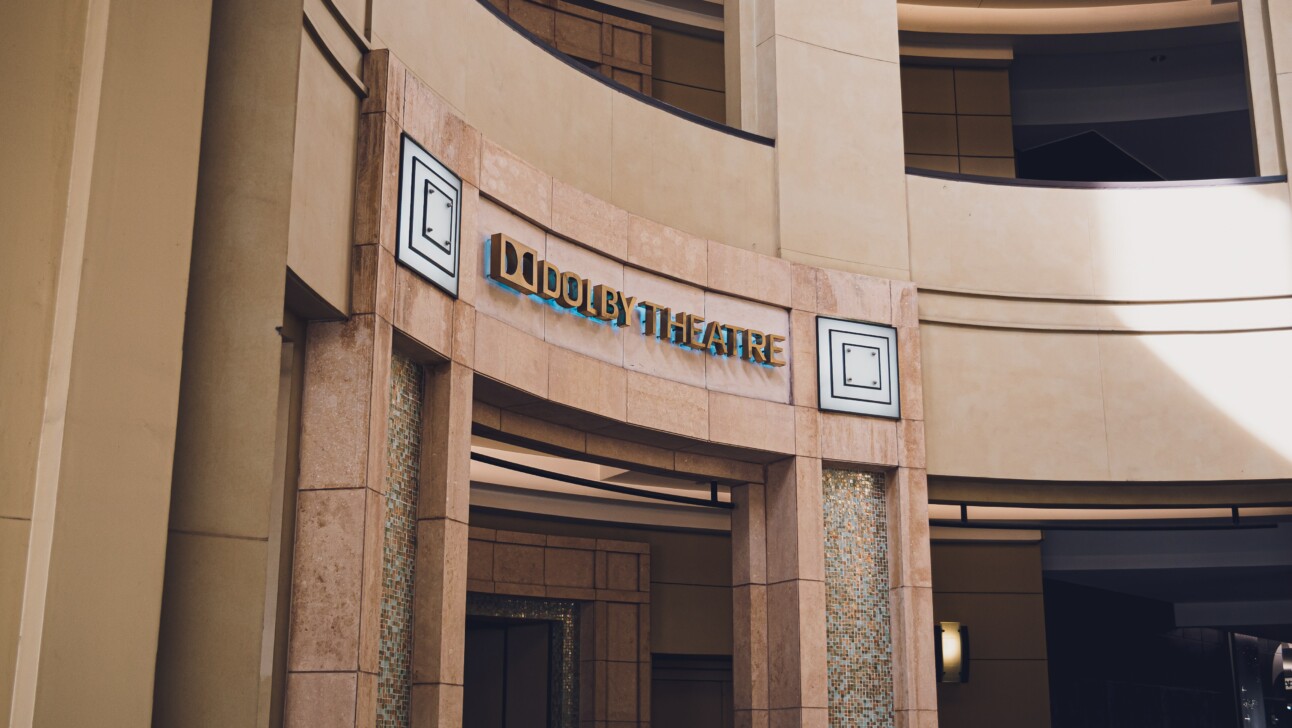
{"x": 1283, "y": 667}
{"x": 951, "y": 646}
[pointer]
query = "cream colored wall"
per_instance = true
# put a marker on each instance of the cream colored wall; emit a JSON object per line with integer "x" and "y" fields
{"x": 43, "y": 46}
{"x": 1113, "y": 334}
{"x": 112, "y": 108}
{"x": 581, "y": 131}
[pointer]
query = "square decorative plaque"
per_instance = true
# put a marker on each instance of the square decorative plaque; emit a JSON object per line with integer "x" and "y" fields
{"x": 430, "y": 216}
{"x": 857, "y": 368}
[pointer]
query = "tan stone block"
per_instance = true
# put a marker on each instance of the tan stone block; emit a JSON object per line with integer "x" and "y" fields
{"x": 516, "y": 183}
{"x": 384, "y": 75}
{"x": 445, "y": 474}
{"x": 434, "y": 124}
{"x": 365, "y": 712}
{"x": 423, "y": 312}
{"x": 854, "y": 296}
{"x": 811, "y": 522}
{"x": 576, "y": 332}
{"x": 320, "y": 700}
{"x": 743, "y": 718}
{"x": 751, "y": 423}
{"x": 589, "y": 220}
{"x": 621, "y": 572}
{"x": 650, "y": 355}
{"x": 749, "y": 647}
{"x": 661, "y": 404}
{"x": 531, "y": 428}
{"x": 908, "y": 528}
{"x": 858, "y": 439}
{"x": 327, "y": 580}
{"x": 667, "y": 250}
{"x": 749, "y": 274}
{"x": 905, "y": 303}
{"x": 571, "y": 542}
{"x": 376, "y": 202}
{"x": 736, "y": 376}
{"x": 803, "y": 358}
{"x": 379, "y": 409}
{"x": 480, "y": 560}
{"x": 910, "y": 373}
{"x": 567, "y": 567}
{"x": 627, "y": 452}
{"x": 914, "y": 679}
{"x": 440, "y": 589}
{"x": 748, "y": 535}
{"x": 795, "y": 528}
{"x": 623, "y": 547}
{"x": 518, "y": 564}
{"x": 783, "y": 650}
{"x": 463, "y": 338}
{"x": 511, "y": 356}
{"x": 622, "y": 623}
{"x": 915, "y": 719}
{"x": 435, "y": 706}
{"x": 803, "y": 287}
{"x": 812, "y": 636}
{"x": 520, "y": 590}
{"x": 373, "y": 567}
{"x": 335, "y": 406}
{"x": 621, "y": 691}
{"x": 573, "y": 593}
{"x": 910, "y": 437}
{"x": 486, "y": 415}
{"x": 807, "y": 432}
{"x": 480, "y": 533}
{"x": 372, "y": 283}
{"x": 587, "y": 384}
{"x": 470, "y": 257}
{"x": 720, "y": 468}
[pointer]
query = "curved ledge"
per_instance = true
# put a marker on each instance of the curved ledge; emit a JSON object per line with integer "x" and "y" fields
{"x": 639, "y": 96}
{"x": 1059, "y": 184}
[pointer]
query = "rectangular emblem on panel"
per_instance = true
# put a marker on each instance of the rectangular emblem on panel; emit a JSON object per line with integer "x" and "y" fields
{"x": 857, "y": 368}
{"x": 430, "y": 216}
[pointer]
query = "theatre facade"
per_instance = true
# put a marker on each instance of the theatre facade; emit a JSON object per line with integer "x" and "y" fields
{"x": 503, "y": 363}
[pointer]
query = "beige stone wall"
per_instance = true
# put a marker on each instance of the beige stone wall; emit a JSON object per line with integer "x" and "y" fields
{"x": 1112, "y": 334}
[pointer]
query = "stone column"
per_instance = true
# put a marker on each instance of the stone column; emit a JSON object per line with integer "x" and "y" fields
{"x": 915, "y": 698}
{"x": 749, "y": 606}
{"x": 796, "y": 654}
{"x": 828, "y": 89}
{"x": 1262, "y": 91}
{"x": 336, "y": 577}
{"x": 440, "y": 570}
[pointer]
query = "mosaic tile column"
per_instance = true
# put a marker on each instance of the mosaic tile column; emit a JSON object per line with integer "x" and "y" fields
{"x": 403, "y": 458}
{"x": 858, "y": 637}
{"x": 439, "y": 615}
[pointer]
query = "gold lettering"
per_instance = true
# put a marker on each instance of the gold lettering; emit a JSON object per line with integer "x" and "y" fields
{"x": 755, "y": 341}
{"x": 627, "y": 305}
{"x": 587, "y": 308}
{"x": 607, "y": 302}
{"x": 571, "y": 295}
{"x": 512, "y": 264}
{"x": 693, "y": 333}
{"x": 770, "y": 350}
{"x": 549, "y": 280}
{"x": 712, "y": 339}
{"x": 650, "y": 319}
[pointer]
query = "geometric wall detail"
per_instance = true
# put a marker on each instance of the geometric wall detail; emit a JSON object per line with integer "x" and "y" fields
{"x": 430, "y": 216}
{"x": 857, "y": 368}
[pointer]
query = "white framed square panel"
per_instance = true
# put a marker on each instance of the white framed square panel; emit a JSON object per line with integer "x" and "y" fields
{"x": 857, "y": 368}
{"x": 430, "y": 216}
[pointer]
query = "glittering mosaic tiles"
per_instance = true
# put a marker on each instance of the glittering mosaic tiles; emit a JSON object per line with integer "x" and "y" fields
{"x": 563, "y": 648}
{"x": 403, "y": 452}
{"x": 858, "y": 642}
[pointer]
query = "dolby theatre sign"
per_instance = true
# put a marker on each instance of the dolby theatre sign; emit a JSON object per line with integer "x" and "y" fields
{"x": 518, "y": 267}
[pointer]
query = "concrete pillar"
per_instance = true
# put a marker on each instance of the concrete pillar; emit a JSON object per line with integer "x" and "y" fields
{"x": 96, "y": 206}
{"x": 796, "y": 652}
{"x": 340, "y": 521}
{"x": 828, "y": 88}
{"x": 749, "y": 606}
{"x": 440, "y": 570}
{"x": 915, "y": 698}
{"x": 1262, "y": 91}
{"x": 229, "y": 457}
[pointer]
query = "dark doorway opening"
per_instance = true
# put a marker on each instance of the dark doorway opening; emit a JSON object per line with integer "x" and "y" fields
{"x": 507, "y": 682}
